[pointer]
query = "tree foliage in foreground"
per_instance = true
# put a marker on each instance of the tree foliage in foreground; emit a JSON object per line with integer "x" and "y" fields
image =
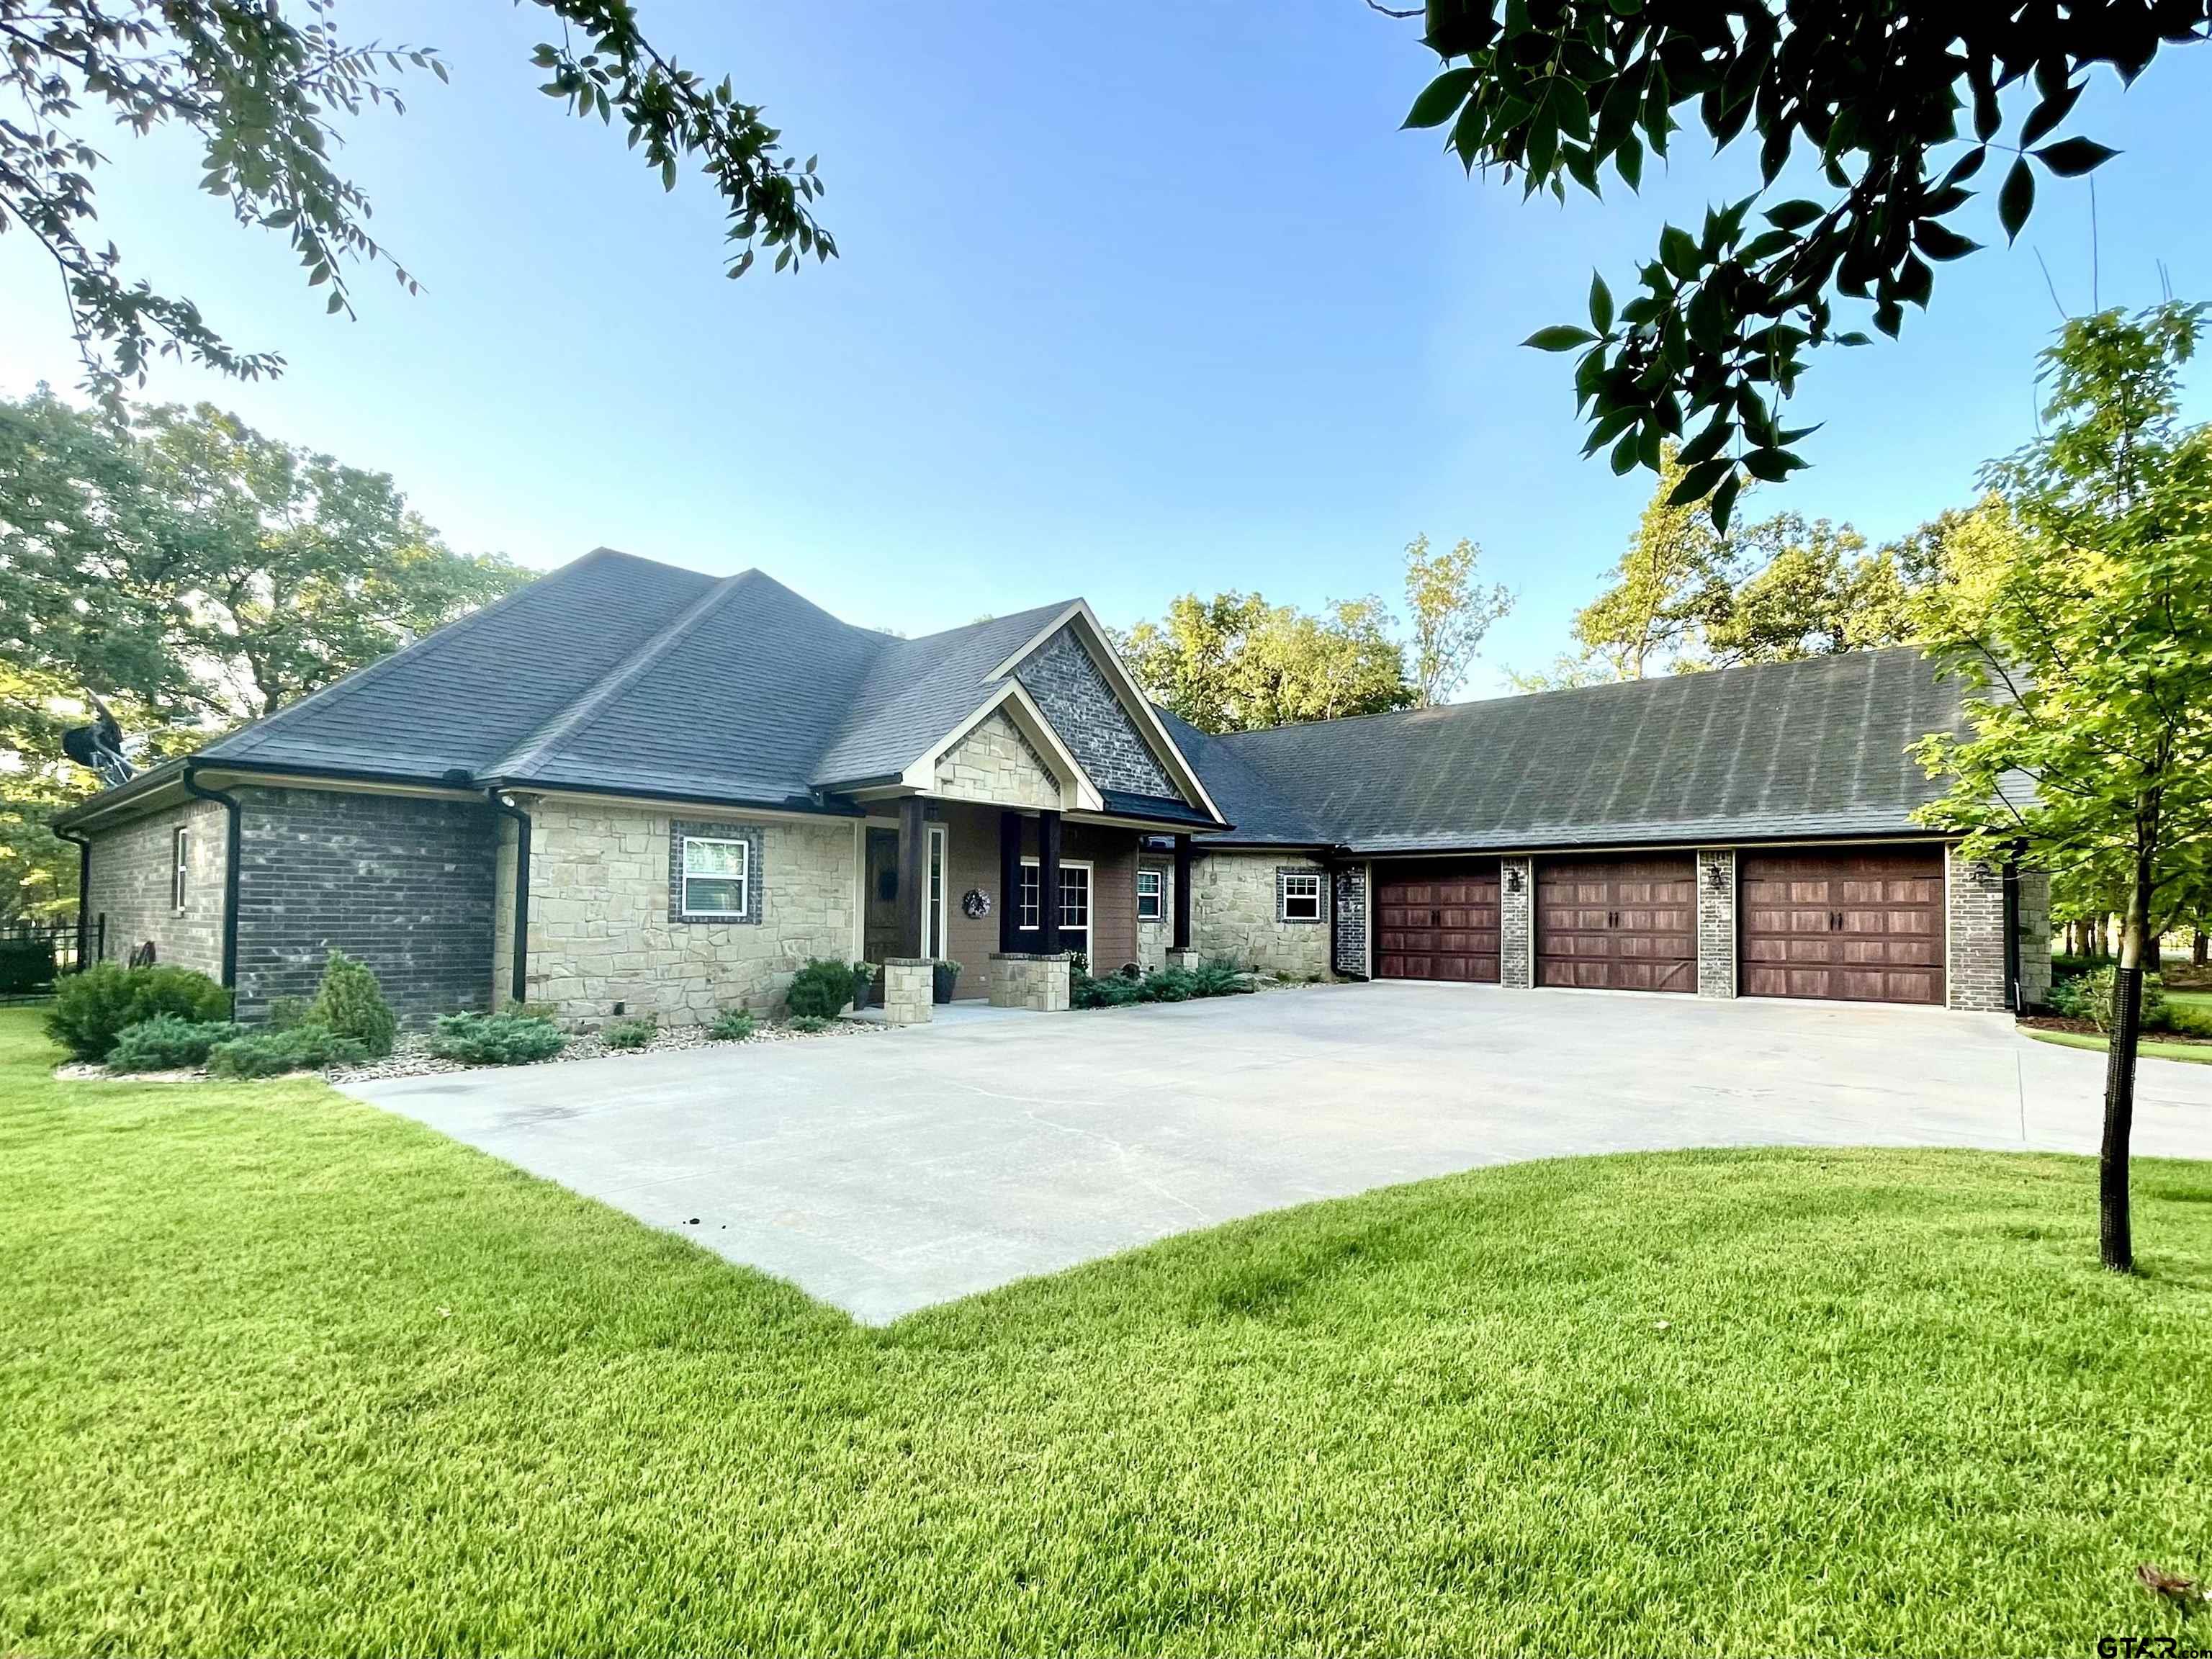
{"x": 1905, "y": 109}
{"x": 196, "y": 574}
{"x": 2086, "y": 646}
{"x": 265, "y": 88}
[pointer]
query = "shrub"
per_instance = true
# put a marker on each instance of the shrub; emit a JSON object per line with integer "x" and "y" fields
{"x": 1219, "y": 979}
{"x": 2183, "y": 1020}
{"x": 503, "y": 1039}
{"x": 630, "y": 1034}
{"x": 351, "y": 1004}
{"x": 1169, "y": 985}
{"x": 271, "y": 1054}
{"x": 1117, "y": 991}
{"x": 283, "y": 1013}
{"x": 2089, "y": 996}
{"x": 732, "y": 1025}
{"x": 167, "y": 1043}
{"x": 820, "y": 989}
{"x": 809, "y": 1023}
{"x": 27, "y": 962}
{"x": 2066, "y": 966}
{"x": 91, "y": 1009}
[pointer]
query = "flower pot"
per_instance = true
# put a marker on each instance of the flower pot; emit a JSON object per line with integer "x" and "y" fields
{"x": 944, "y": 976}
{"x": 862, "y": 985}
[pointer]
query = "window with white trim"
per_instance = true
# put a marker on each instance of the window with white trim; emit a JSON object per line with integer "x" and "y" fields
{"x": 716, "y": 877}
{"x": 1075, "y": 896}
{"x": 1031, "y": 918}
{"x": 180, "y": 867}
{"x": 1301, "y": 896}
{"x": 1151, "y": 891}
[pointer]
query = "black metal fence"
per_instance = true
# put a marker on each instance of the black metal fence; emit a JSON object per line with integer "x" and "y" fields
{"x": 35, "y": 954}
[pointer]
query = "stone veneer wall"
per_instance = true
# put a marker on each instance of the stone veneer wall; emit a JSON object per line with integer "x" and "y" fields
{"x": 1350, "y": 898}
{"x": 1233, "y": 913}
{"x": 602, "y": 929}
{"x": 130, "y": 871}
{"x": 402, "y": 882}
{"x": 1154, "y": 939}
{"x": 1717, "y": 952}
{"x": 1974, "y": 976}
{"x": 995, "y": 763}
{"x": 2034, "y": 938}
{"x": 1073, "y": 692}
{"x": 1516, "y": 924}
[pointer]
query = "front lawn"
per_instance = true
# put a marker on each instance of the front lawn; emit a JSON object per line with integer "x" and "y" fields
{"x": 281, "y": 1373}
{"x": 2147, "y": 1048}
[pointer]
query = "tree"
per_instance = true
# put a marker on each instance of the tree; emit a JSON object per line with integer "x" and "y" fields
{"x": 195, "y": 574}
{"x": 264, "y": 91}
{"x": 1234, "y": 663}
{"x": 2086, "y": 654}
{"x": 1450, "y": 612}
{"x": 1873, "y": 94}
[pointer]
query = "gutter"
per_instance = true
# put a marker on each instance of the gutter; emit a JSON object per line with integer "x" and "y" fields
{"x": 518, "y": 969}
{"x": 83, "y": 890}
{"x": 232, "y": 841}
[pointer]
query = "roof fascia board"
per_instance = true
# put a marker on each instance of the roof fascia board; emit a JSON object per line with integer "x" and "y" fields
{"x": 1029, "y": 720}
{"x": 1125, "y": 692}
{"x": 783, "y": 810}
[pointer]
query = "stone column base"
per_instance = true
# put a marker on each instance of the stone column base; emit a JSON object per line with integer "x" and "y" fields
{"x": 908, "y": 984}
{"x": 1025, "y": 980}
{"x": 1186, "y": 958}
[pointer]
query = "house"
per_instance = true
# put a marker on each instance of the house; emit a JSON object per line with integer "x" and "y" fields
{"x": 632, "y": 788}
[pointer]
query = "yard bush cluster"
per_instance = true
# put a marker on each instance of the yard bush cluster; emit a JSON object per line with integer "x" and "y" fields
{"x": 93, "y": 1008}
{"x": 2089, "y": 996}
{"x": 628, "y": 1033}
{"x": 732, "y": 1025}
{"x": 820, "y": 989}
{"x": 272, "y": 1054}
{"x": 168, "y": 1042}
{"x": 350, "y": 1004}
{"x": 503, "y": 1039}
{"x": 1214, "y": 979}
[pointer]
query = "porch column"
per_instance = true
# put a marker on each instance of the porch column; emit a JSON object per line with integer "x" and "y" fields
{"x": 1010, "y": 879}
{"x": 913, "y": 875}
{"x": 1182, "y": 893}
{"x": 1048, "y": 881}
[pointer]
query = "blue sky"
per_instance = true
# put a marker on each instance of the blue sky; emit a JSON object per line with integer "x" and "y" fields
{"x": 1133, "y": 300}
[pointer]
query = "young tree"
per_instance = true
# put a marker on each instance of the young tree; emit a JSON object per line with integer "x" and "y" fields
{"x": 1450, "y": 614}
{"x": 1874, "y": 94}
{"x": 264, "y": 87}
{"x": 1234, "y": 663}
{"x": 2087, "y": 650}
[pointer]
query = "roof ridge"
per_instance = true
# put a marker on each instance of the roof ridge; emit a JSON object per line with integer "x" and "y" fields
{"x": 534, "y": 748}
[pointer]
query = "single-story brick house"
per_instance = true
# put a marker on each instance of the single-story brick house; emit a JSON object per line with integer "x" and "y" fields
{"x": 631, "y": 788}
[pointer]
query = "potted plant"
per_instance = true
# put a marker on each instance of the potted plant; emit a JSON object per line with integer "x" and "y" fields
{"x": 863, "y": 977}
{"x": 946, "y": 975}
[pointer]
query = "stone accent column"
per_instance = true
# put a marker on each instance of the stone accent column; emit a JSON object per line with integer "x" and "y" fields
{"x": 1517, "y": 923}
{"x": 1186, "y": 958}
{"x": 1716, "y": 922}
{"x": 1974, "y": 953}
{"x": 907, "y": 983}
{"x": 1031, "y": 980}
{"x": 2034, "y": 938}
{"x": 1350, "y": 898}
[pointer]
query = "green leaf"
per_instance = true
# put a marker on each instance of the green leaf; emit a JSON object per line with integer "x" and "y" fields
{"x": 1771, "y": 465}
{"x": 1679, "y": 252}
{"x": 2016, "y": 200}
{"x": 1708, "y": 443}
{"x": 1941, "y": 242}
{"x": 1440, "y": 99}
{"x": 1560, "y": 338}
{"x": 1855, "y": 337}
{"x": 2069, "y": 158}
{"x": 1601, "y": 304}
{"x": 1625, "y": 455}
{"x": 1724, "y": 500}
{"x": 1698, "y": 482}
{"x": 1794, "y": 214}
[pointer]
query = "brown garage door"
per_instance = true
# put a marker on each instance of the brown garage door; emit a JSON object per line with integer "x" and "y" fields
{"x": 1437, "y": 923}
{"x": 1864, "y": 924}
{"x": 1618, "y": 924}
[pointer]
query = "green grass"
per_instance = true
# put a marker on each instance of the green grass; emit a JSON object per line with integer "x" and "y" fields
{"x": 281, "y": 1373}
{"x": 2195, "y": 1053}
{"x": 2202, "y": 1000}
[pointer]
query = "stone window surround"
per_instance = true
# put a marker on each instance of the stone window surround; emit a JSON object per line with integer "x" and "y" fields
{"x": 753, "y": 835}
{"x": 1305, "y": 872}
{"x": 1158, "y": 895}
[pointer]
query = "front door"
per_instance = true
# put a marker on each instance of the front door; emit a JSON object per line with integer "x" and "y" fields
{"x": 880, "y": 922}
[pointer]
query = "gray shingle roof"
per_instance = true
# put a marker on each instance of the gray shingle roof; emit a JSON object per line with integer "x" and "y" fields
{"x": 1812, "y": 748}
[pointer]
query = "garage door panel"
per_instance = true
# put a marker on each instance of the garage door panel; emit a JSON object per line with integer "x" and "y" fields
{"x": 1861, "y": 924}
{"x": 1438, "y": 923}
{"x": 1617, "y": 924}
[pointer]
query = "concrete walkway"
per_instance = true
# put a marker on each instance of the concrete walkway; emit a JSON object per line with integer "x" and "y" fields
{"x": 886, "y": 1172}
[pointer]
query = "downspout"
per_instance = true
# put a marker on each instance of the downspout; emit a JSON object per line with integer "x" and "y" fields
{"x": 83, "y": 892}
{"x": 519, "y": 984}
{"x": 230, "y": 872}
{"x": 2012, "y": 964}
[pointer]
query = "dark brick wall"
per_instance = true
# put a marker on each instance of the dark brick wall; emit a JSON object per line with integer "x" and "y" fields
{"x": 404, "y": 885}
{"x": 1351, "y": 899}
{"x": 1090, "y": 718}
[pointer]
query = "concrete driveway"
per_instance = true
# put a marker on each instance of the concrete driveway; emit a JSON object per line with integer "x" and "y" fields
{"x": 888, "y": 1171}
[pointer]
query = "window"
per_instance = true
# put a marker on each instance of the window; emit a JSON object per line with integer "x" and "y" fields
{"x": 180, "y": 866}
{"x": 715, "y": 877}
{"x": 933, "y": 920}
{"x": 1149, "y": 888}
{"x": 1301, "y": 896}
{"x": 1075, "y": 896}
{"x": 1031, "y": 918}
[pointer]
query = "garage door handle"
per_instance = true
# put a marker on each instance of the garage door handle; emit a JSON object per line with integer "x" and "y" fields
{"x": 1835, "y": 921}
{"x": 1436, "y": 918}
{"x": 1612, "y": 918}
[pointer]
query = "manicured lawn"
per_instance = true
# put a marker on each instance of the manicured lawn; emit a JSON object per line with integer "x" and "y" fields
{"x": 278, "y": 1372}
{"x": 2199, "y": 1053}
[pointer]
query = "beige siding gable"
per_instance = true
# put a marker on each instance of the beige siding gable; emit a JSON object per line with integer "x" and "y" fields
{"x": 996, "y": 764}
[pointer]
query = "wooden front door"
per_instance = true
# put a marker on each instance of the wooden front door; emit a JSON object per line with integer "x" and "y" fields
{"x": 1857, "y": 924}
{"x": 1437, "y": 923}
{"x": 1618, "y": 924}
